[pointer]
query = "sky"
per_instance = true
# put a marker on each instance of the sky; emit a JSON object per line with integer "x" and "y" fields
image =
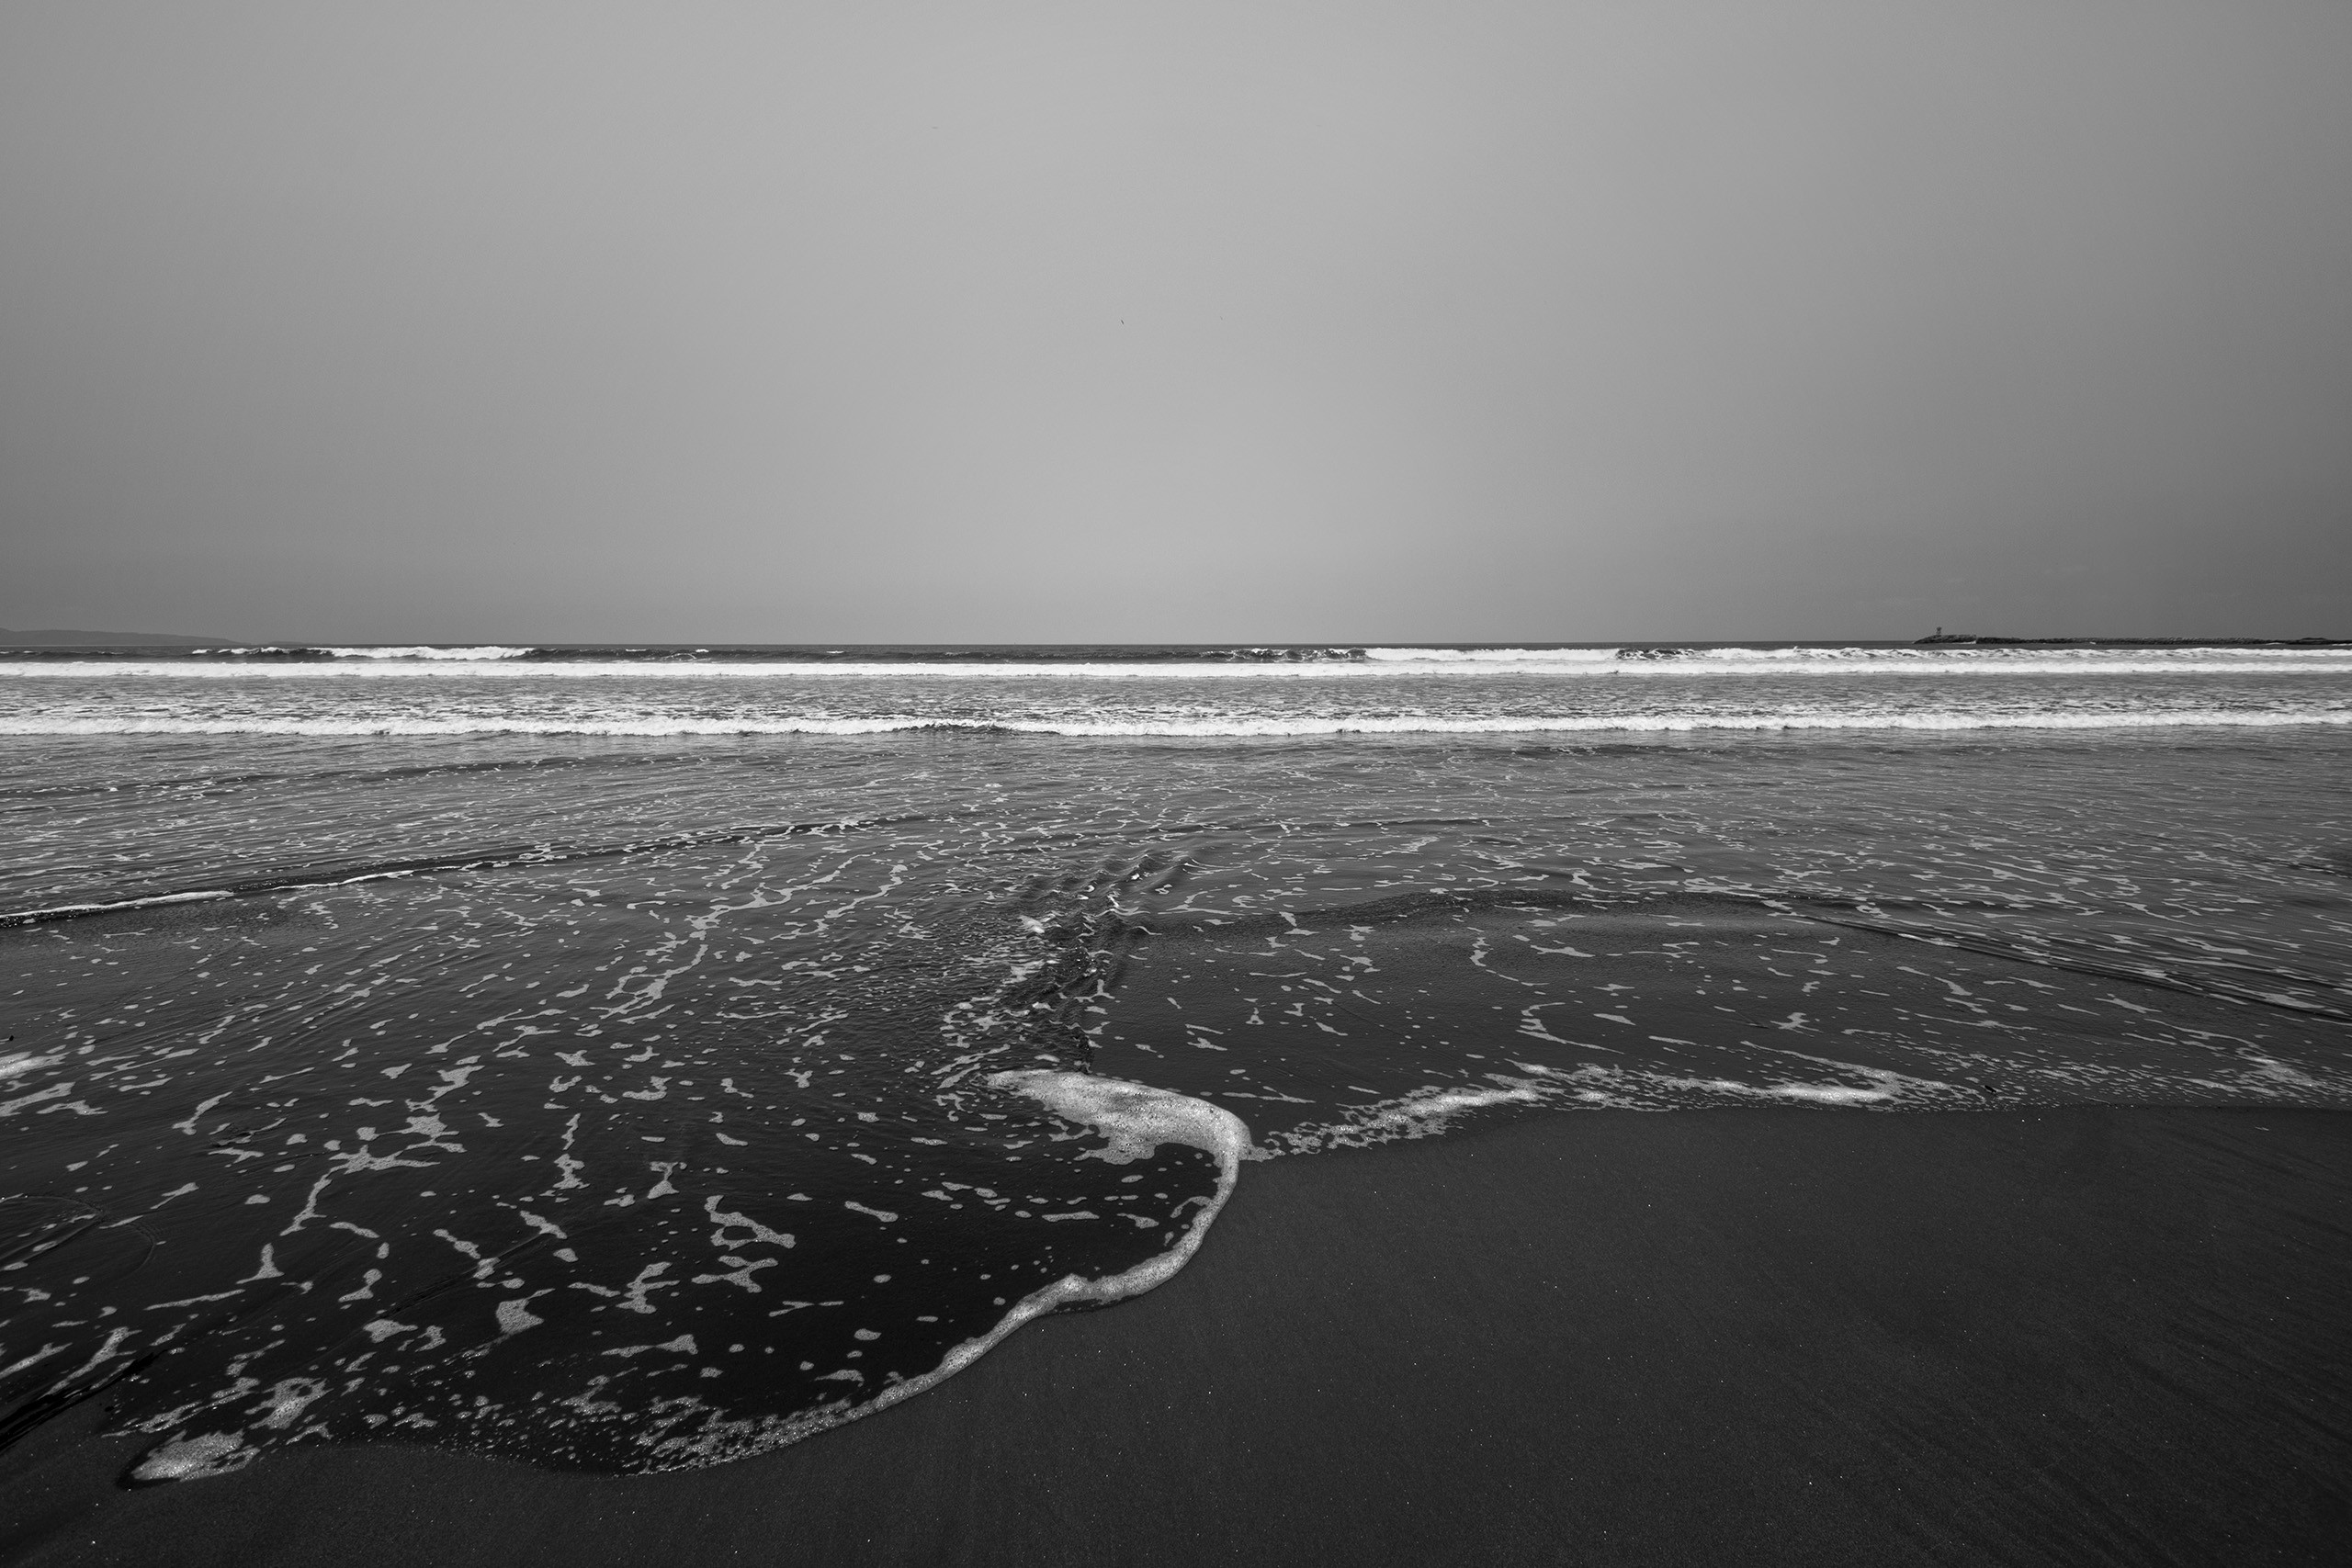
{"x": 1227, "y": 319}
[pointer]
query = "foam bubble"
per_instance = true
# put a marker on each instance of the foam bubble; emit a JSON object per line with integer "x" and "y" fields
{"x": 193, "y": 1459}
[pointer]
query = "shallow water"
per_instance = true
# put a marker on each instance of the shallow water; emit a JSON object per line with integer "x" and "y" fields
{"x": 627, "y": 1099}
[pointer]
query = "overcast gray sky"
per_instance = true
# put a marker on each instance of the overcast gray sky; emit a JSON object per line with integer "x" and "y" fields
{"x": 1226, "y": 319}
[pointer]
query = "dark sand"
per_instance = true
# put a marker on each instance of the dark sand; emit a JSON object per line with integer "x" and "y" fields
{"x": 1705, "y": 1336}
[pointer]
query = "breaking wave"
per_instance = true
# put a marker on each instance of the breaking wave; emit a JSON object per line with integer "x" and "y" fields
{"x": 1312, "y": 663}
{"x": 1222, "y": 725}
{"x": 316, "y": 877}
{"x": 470, "y": 652}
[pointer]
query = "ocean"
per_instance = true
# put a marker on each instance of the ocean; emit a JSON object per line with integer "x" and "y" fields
{"x": 631, "y": 1059}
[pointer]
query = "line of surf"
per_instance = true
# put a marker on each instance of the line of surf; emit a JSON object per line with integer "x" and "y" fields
{"x": 1222, "y": 727}
{"x": 1437, "y": 1109}
{"x": 454, "y": 668}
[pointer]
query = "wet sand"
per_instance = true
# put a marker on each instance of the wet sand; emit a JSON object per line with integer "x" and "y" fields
{"x": 1770, "y": 1335}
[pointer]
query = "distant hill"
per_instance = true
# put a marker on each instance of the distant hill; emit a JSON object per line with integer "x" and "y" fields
{"x": 57, "y": 638}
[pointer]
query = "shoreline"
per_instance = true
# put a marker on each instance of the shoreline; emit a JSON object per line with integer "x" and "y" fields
{"x": 2073, "y": 1336}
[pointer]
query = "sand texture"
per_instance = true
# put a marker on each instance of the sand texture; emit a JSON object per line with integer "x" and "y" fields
{"x": 1801, "y": 1336}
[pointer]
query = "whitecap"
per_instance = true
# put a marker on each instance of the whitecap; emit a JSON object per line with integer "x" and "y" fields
{"x": 1220, "y": 726}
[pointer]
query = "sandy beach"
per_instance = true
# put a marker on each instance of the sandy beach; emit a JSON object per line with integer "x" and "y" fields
{"x": 2060, "y": 1337}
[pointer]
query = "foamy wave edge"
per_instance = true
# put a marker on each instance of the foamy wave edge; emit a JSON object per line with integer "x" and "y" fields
{"x": 1207, "y": 728}
{"x": 1135, "y": 1118}
{"x": 1431, "y": 1112}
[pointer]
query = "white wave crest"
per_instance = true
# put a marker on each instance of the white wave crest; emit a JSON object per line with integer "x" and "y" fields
{"x": 477, "y": 653}
{"x": 419, "y": 651}
{"x": 1454, "y": 657}
{"x": 1210, "y": 728}
{"x": 1379, "y": 664}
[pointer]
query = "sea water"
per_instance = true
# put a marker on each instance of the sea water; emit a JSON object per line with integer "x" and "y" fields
{"x": 632, "y": 1059}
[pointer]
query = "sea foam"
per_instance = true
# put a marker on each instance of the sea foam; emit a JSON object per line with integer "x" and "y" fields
{"x": 1135, "y": 1119}
{"x": 1221, "y": 725}
{"x": 505, "y": 663}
